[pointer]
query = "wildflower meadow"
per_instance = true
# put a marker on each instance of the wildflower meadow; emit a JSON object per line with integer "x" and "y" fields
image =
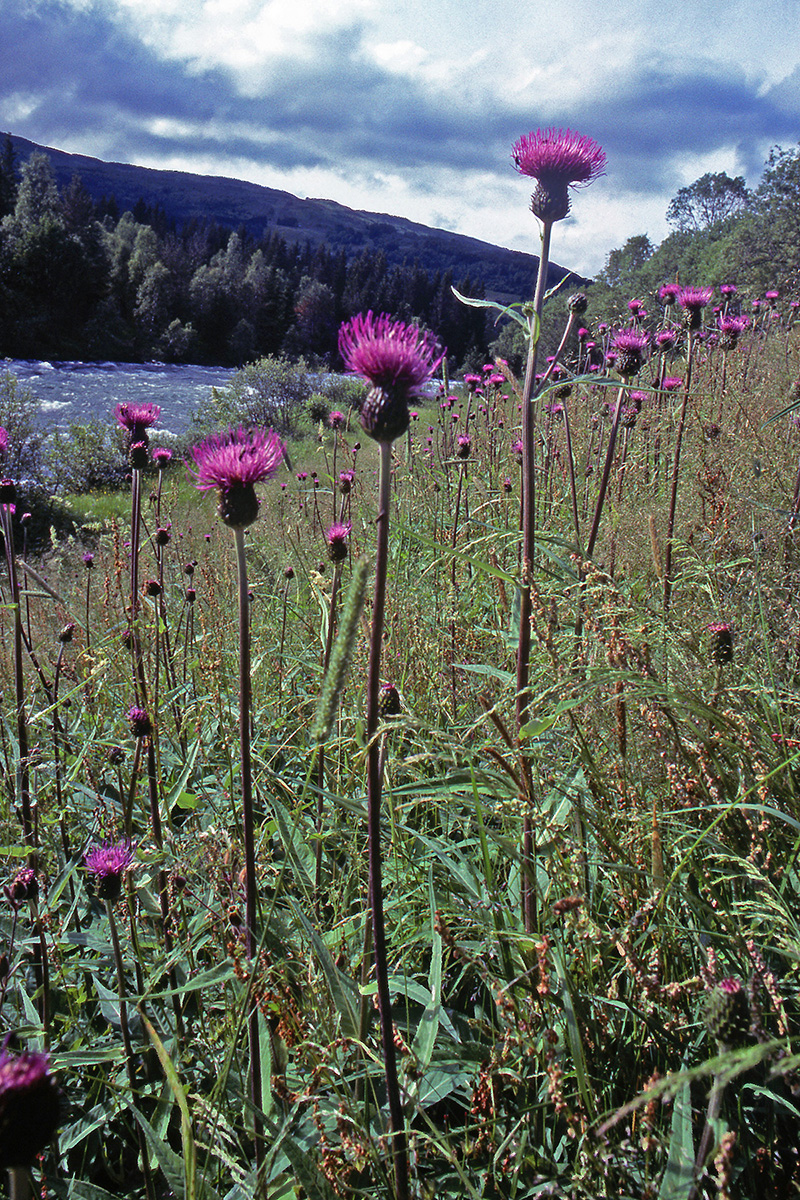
{"x": 405, "y": 803}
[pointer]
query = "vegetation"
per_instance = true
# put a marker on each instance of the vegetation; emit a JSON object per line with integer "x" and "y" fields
{"x": 724, "y": 234}
{"x": 80, "y": 280}
{"x": 591, "y": 921}
{"x": 560, "y": 1051}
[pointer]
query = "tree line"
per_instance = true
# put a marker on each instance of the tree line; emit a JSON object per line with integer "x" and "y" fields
{"x": 80, "y": 280}
{"x": 723, "y": 233}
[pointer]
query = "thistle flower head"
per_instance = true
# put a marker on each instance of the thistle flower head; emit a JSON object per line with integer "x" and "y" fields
{"x": 464, "y": 445}
{"x": 388, "y": 701}
{"x": 162, "y": 457}
{"x": 728, "y": 1012}
{"x": 107, "y": 864}
{"x": 693, "y": 300}
{"x": 556, "y": 159}
{"x": 396, "y": 359}
{"x": 30, "y": 1102}
{"x": 669, "y": 293}
{"x": 139, "y": 721}
{"x": 336, "y": 420}
{"x": 671, "y": 383}
{"x": 721, "y": 636}
{"x": 730, "y": 329}
{"x": 24, "y": 886}
{"x": 137, "y": 419}
{"x": 336, "y": 538}
{"x": 629, "y": 348}
{"x": 232, "y": 463}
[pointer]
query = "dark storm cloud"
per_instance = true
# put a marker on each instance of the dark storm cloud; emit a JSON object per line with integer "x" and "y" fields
{"x": 82, "y": 75}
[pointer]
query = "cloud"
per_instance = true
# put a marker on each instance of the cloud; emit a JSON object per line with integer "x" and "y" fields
{"x": 407, "y": 108}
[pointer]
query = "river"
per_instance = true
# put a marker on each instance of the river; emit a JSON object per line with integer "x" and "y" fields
{"x": 75, "y": 392}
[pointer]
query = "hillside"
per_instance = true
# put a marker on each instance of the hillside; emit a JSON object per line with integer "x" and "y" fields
{"x": 507, "y": 274}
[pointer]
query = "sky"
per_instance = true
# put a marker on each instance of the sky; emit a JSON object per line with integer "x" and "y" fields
{"x": 411, "y": 107}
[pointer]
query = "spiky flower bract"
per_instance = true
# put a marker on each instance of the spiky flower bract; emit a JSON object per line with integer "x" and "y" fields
{"x": 30, "y": 1102}
{"x": 557, "y": 159}
{"x": 396, "y": 359}
{"x": 232, "y": 463}
{"x": 108, "y": 863}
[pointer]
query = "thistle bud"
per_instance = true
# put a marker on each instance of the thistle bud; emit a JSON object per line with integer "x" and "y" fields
{"x": 728, "y": 1013}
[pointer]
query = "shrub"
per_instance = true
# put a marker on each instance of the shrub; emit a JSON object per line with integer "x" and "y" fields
{"x": 271, "y": 392}
{"x": 88, "y": 458}
{"x": 19, "y": 410}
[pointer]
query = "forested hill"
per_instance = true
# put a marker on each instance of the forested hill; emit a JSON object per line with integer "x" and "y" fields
{"x": 182, "y": 198}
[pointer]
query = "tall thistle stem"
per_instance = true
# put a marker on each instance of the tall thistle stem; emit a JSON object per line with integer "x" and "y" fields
{"x": 528, "y": 500}
{"x": 248, "y": 820}
{"x": 374, "y": 792}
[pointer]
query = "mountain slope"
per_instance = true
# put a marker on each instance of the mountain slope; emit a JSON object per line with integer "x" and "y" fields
{"x": 507, "y": 274}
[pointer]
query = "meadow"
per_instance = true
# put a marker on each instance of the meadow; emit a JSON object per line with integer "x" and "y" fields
{"x": 591, "y": 913}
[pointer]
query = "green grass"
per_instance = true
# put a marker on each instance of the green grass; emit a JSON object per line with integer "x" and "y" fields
{"x": 664, "y": 803}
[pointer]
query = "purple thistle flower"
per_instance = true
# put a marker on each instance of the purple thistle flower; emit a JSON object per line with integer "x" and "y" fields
{"x": 88, "y": 560}
{"x": 730, "y": 329}
{"x": 693, "y": 300}
{"x": 668, "y": 294}
{"x": 139, "y": 721}
{"x": 557, "y": 159}
{"x": 336, "y": 420}
{"x": 695, "y": 297}
{"x": 629, "y": 347}
{"x": 30, "y": 1103}
{"x": 108, "y": 863}
{"x": 25, "y": 886}
{"x": 666, "y": 338}
{"x": 471, "y": 382}
{"x": 671, "y": 383}
{"x": 336, "y": 538}
{"x": 162, "y": 457}
{"x": 232, "y": 463}
{"x": 396, "y": 360}
{"x": 137, "y": 419}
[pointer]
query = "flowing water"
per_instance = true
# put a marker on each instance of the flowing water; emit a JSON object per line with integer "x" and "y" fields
{"x": 75, "y": 392}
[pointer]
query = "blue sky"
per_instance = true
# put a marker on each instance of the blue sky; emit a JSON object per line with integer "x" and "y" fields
{"x": 412, "y": 107}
